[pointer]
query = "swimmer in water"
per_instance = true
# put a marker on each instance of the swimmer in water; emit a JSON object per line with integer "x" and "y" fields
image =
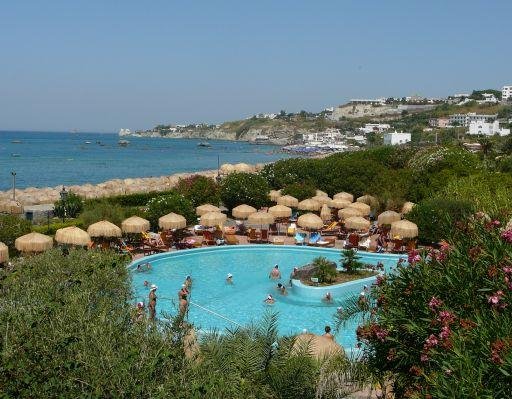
{"x": 327, "y": 298}
{"x": 282, "y": 289}
{"x": 229, "y": 279}
{"x": 275, "y": 273}
{"x": 269, "y": 300}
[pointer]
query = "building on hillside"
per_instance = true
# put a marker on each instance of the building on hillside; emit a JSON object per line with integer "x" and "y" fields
{"x": 506, "y": 93}
{"x": 489, "y": 98}
{"x": 374, "y": 127}
{"x": 374, "y": 101}
{"x": 439, "y": 122}
{"x": 466, "y": 119}
{"x": 396, "y": 138}
{"x": 487, "y": 129}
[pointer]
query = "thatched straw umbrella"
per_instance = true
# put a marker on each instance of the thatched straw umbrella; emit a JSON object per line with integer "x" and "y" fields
{"x": 368, "y": 200}
{"x": 288, "y": 200}
{"x": 205, "y": 208}
{"x": 104, "y": 229}
{"x": 388, "y": 217}
{"x": 243, "y": 167}
{"x": 407, "y": 207}
{"x": 309, "y": 205}
{"x": 213, "y": 219}
{"x": 339, "y": 203}
{"x": 12, "y": 207}
{"x": 33, "y": 242}
{"x": 72, "y": 235}
{"x": 344, "y": 196}
{"x": 172, "y": 221}
{"x": 242, "y": 211}
{"x": 322, "y": 199}
{"x": 363, "y": 208}
{"x": 357, "y": 223}
{"x": 4, "y": 253}
{"x": 325, "y": 213}
{"x": 404, "y": 229}
{"x": 310, "y": 221}
{"x": 346, "y": 213}
{"x": 320, "y": 193}
{"x": 274, "y": 195}
{"x": 135, "y": 225}
{"x": 260, "y": 218}
{"x": 280, "y": 211}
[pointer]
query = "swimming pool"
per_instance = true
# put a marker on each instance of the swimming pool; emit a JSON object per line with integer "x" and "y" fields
{"x": 217, "y": 305}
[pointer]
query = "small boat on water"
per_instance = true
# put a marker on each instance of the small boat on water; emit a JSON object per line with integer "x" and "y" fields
{"x": 16, "y": 141}
{"x": 87, "y": 142}
{"x": 123, "y": 143}
{"x": 204, "y": 144}
{"x": 15, "y": 155}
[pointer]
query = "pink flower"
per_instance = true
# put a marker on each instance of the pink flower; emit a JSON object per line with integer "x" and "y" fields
{"x": 445, "y": 332}
{"x": 413, "y": 257}
{"x": 495, "y": 299}
{"x": 424, "y": 357}
{"x": 431, "y": 341}
{"x": 445, "y": 317}
{"x": 507, "y": 236}
{"x": 380, "y": 280}
{"x": 507, "y": 269}
{"x": 381, "y": 334}
{"x": 434, "y": 303}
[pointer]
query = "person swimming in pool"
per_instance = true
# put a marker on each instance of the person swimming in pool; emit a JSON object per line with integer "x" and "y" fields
{"x": 229, "y": 279}
{"x": 275, "y": 273}
{"x": 269, "y": 300}
{"x": 282, "y": 289}
{"x": 327, "y": 298}
{"x": 188, "y": 281}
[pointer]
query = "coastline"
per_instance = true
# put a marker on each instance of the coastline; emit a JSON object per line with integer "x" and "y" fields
{"x": 49, "y": 195}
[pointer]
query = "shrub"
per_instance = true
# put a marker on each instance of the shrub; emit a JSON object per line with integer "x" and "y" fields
{"x": 199, "y": 190}
{"x": 173, "y": 202}
{"x": 442, "y": 327}
{"x": 70, "y": 207}
{"x": 437, "y": 218}
{"x": 104, "y": 210}
{"x": 301, "y": 191}
{"x": 56, "y": 225}
{"x": 350, "y": 261}
{"x": 12, "y": 227}
{"x": 131, "y": 200}
{"x": 325, "y": 270}
{"x": 244, "y": 188}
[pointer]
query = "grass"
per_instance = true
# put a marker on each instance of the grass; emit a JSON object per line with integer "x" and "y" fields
{"x": 344, "y": 277}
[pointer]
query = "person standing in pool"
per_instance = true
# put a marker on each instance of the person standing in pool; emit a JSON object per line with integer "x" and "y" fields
{"x": 328, "y": 334}
{"x": 188, "y": 281}
{"x": 275, "y": 273}
{"x": 152, "y": 302}
{"x": 229, "y": 279}
{"x": 282, "y": 289}
{"x": 183, "y": 305}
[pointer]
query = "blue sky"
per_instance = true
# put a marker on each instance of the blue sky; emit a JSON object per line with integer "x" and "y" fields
{"x": 103, "y": 65}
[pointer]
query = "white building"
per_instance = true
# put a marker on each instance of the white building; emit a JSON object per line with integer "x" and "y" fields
{"x": 489, "y": 98}
{"x": 506, "y": 93}
{"x": 487, "y": 129}
{"x": 374, "y": 127}
{"x": 466, "y": 119}
{"x": 396, "y": 138}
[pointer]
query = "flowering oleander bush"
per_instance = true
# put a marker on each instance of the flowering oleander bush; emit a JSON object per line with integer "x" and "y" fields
{"x": 441, "y": 325}
{"x": 199, "y": 190}
{"x": 173, "y": 202}
{"x": 301, "y": 191}
{"x": 244, "y": 188}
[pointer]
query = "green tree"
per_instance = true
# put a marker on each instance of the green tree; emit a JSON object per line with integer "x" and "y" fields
{"x": 104, "y": 210}
{"x": 350, "y": 261}
{"x": 244, "y": 188}
{"x": 172, "y": 202}
{"x": 324, "y": 270}
{"x": 301, "y": 191}
{"x": 12, "y": 227}
{"x": 70, "y": 207}
{"x": 199, "y": 190}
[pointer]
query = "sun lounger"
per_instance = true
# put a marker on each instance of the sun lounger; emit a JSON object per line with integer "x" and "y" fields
{"x": 292, "y": 228}
{"x": 264, "y": 236}
{"x": 314, "y": 238}
{"x": 331, "y": 229}
{"x": 208, "y": 238}
{"x": 231, "y": 239}
{"x": 278, "y": 241}
{"x": 300, "y": 238}
{"x": 294, "y": 217}
{"x": 353, "y": 241}
{"x": 253, "y": 236}
{"x": 326, "y": 242}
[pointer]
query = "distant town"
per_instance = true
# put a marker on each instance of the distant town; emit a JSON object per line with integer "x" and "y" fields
{"x": 462, "y": 117}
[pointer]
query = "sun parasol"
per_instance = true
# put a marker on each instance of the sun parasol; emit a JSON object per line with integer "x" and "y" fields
{"x": 72, "y": 235}
{"x": 205, "y": 208}
{"x": 310, "y": 221}
{"x": 404, "y": 229}
{"x": 280, "y": 211}
{"x": 388, "y": 217}
{"x": 33, "y": 242}
{"x": 4, "y": 253}
{"x": 172, "y": 221}
{"x": 288, "y": 200}
{"x": 242, "y": 211}
{"x": 320, "y": 193}
{"x": 348, "y": 212}
{"x": 325, "y": 213}
{"x": 363, "y": 208}
{"x": 12, "y": 207}
{"x": 339, "y": 203}
{"x": 274, "y": 195}
{"x": 344, "y": 196}
{"x": 309, "y": 205}
{"x": 104, "y": 229}
{"x": 260, "y": 218}
{"x": 135, "y": 224}
{"x": 213, "y": 219}
{"x": 407, "y": 207}
{"x": 368, "y": 200}
{"x": 357, "y": 223}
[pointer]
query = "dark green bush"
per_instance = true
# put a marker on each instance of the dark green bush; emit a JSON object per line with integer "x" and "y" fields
{"x": 437, "y": 218}
{"x": 301, "y": 191}
{"x": 244, "y": 188}
{"x": 12, "y": 227}
{"x": 70, "y": 207}
{"x": 56, "y": 225}
{"x": 172, "y": 202}
{"x": 199, "y": 190}
{"x": 132, "y": 200}
{"x": 103, "y": 210}
{"x": 325, "y": 270}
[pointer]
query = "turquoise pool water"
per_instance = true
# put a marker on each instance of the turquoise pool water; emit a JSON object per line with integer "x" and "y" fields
{"x": 217, "y": 305}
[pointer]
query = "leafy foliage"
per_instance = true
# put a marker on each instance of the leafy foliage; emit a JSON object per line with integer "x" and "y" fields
{"x": 12, "y": 227}
{"x": 173, "y": 202}
{"x": 325, "y": 270}
{"x": 56, "y": 225}
{"x": 199, "y": 190}
{"x": 301, "y": 191}
{"x": 244, "y": 188}
{"x": 350, "y": 261}
{"x": 104, "y": 210}
{"x": 70, "y": 207}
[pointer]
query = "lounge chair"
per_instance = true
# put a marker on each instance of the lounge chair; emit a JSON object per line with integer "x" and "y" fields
{"x": 264, "y": 236}
{"x": 300, "y": 238}
{"x": 326, "y": 242}
{"x": 314, "y": 238}
{"x": 278, "y": 241}
{"x": 331, "y": 229}
{"x": 253, "y": 236}
{"x": 294, "y": 217}
{"x": 273, "y": 229}
{"x": 208, "y": 238}
{"x": 231, "y": 239}
{"x": 353, "y": 241}
{"x": 398, "y": 246}
{"x": 292, "y": 228}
